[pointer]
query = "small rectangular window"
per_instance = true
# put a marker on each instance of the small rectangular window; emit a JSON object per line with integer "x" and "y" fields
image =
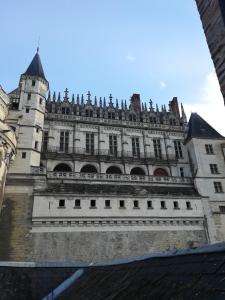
{"x": 36, "y": 145}
{"x": 175, "y": 205}
{"x": 33, "y": 82}
{"x": 135, "y": 147}
{"x": 107, "y": 204}
{"x": 149, "y": 204}
{"x": 209, "y": 149}
{"x": 122, "y": 204}
{"x": 77, "y": 203}
{"x": 188, "y": 205}
{"x": 93, "y": 203}
{"x": 61, "y": 203}
{"x": 136, "y": 204}
{"x": 28, "y": 96}
{"x": 40, "y": 101}
{"x": 178, "y": 149}
{"x": 157, "y": 148}
{"x": 113, "y": 145}
{"x": 213, "y": 168}
{"x": 218, "y": 187}
{"x": 27, "y": 110}
{"x": 37, "y": 129}
{"x": 24, "y": 154}
{"x": 163, "y": 204}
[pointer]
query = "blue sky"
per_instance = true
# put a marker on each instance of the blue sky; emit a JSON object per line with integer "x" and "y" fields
{"x": 155, "y": 48}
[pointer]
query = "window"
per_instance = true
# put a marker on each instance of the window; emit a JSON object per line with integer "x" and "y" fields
{"x": 173, "y": 122}
{"x": 122, "y": 204}
{"x": 163, "y": 204}
{"x": 37, "y": 129}
{"x": 107, "y": 204}
{"x": 28, "y": 96}
{"x": 64, "y": 141}
{"x": 40, "y": 101}
{"x": 181, "y": 172}
{"x": 33, "y": 82}
{"x": 136, "y": 204}
{"x": 45, "y": 140}
{"x": 93, "y": 204}
{"x": 89, "y": 113}
{"x": 24, "y": 154}
{"x": 178, "y": 149}
{"x": 149, "y": 204}
{"x": 218, "y": 187}
{"x": 175, "y": 205}
{"x": 135, "y": 147}
{"x": 61, "y": 203}
{"x": 153, "y": 120}
{"x": 77, "y": 203}
{"x": 113, "y": 145}
{"x": 132, "y": 118}
{"x": 27, "y": 110}
{"x": 111, "y": 115}
{"x": 65, "y": 111}
{"x": 222, "y": 209}
{"x": 36, "y": 145}
{"x": 157, "y": 148}
{"x": 213, "y": 168}
{"x": 209, "y": 149}
{"x": 90, "y": 143}
{"x": 188, "y": 205}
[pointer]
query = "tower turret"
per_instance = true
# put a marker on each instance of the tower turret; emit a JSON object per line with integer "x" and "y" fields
{"x": 33, "y": 87}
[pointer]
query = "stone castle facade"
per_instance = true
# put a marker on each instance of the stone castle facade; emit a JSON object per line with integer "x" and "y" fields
{"x": 91, "y": 179}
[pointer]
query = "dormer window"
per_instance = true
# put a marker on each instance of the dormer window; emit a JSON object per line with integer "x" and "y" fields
{"x": 65, "y": 111}
{"x": 172, "y": 122}
{"x": 111, "y": 115}
{"x": 132, "y": 118}
{"x": 153, "y": 120}
{"x": 89, "y": 113}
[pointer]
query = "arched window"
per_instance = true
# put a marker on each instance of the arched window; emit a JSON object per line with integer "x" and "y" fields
{"x": 88, "y": 169}
{"x": 62, "y": 168}
{"x": 113, "y": 170}
{"x": 137, "y": 171}
{"x": 160, "y": 172}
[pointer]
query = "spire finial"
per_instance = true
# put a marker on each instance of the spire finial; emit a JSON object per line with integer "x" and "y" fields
{"x": 38, "y": 44}
{"x": 66, "y": 94}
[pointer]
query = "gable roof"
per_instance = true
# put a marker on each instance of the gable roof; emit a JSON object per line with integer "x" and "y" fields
{"x": 35, "y": 68}
{"x": 199, "y": 128}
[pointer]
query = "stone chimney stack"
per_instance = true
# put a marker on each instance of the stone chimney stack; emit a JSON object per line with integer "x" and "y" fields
{"x": 136, "y": 102}
{"x": 174, "y": 106}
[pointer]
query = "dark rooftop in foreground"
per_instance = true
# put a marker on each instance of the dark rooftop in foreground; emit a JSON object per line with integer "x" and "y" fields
{"x": 179, "y": 275}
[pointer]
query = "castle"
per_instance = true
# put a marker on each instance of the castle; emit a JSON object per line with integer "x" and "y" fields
{"x": 93, "y": 179}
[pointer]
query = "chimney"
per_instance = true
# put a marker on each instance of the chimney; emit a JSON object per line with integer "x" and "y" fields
{"x": 174, "y": 106}
{"x": 136, "y": 102}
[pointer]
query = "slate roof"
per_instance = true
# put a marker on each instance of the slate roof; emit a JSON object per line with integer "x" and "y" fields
{"x": 110, "y": 189}
{"x": 199, "y": 128}
{"x": 188, "y": 274}
{"x": 35, "y": 68}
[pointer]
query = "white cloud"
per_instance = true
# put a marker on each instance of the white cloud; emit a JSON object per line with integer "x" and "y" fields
{"x": 162, "y": 84}
{"x": 130, "y": 57}
{"x": 209, "y": 105}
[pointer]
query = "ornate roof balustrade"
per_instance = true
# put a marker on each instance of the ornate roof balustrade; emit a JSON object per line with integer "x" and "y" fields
{"x": 126, "y": 123}
{"x": 76, "y": 151}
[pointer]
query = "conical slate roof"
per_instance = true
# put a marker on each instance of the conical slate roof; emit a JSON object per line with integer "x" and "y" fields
{"x": 35, "y": 67}
{"x": 199, "y": 128}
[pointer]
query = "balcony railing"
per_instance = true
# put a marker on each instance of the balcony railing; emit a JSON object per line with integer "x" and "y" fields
{"x": 111, "y": 177}
{"x": 105, "y": 152}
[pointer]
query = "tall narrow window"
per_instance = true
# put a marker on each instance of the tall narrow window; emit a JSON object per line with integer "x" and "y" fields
{"x": 157, "y": 148}
{"x": 36, "y": 145}
{"x": 45, "y": 141}
{"x": 90, "y": 143}
{"x": 209, "y": 149}
{"x": 218, "y": 187}
{"x": 64, "y": 141}
{"x": 181, "y": 172}
{"x": 135, "y": 147}
{"x": 113, "y": 145}
{"x": 213, "y": 168}
{"x": 178, "y": 149}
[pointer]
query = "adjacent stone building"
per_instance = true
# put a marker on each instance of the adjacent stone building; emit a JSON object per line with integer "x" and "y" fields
{"x": 95, "y": 179}
{"x": 212, "y": 13}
